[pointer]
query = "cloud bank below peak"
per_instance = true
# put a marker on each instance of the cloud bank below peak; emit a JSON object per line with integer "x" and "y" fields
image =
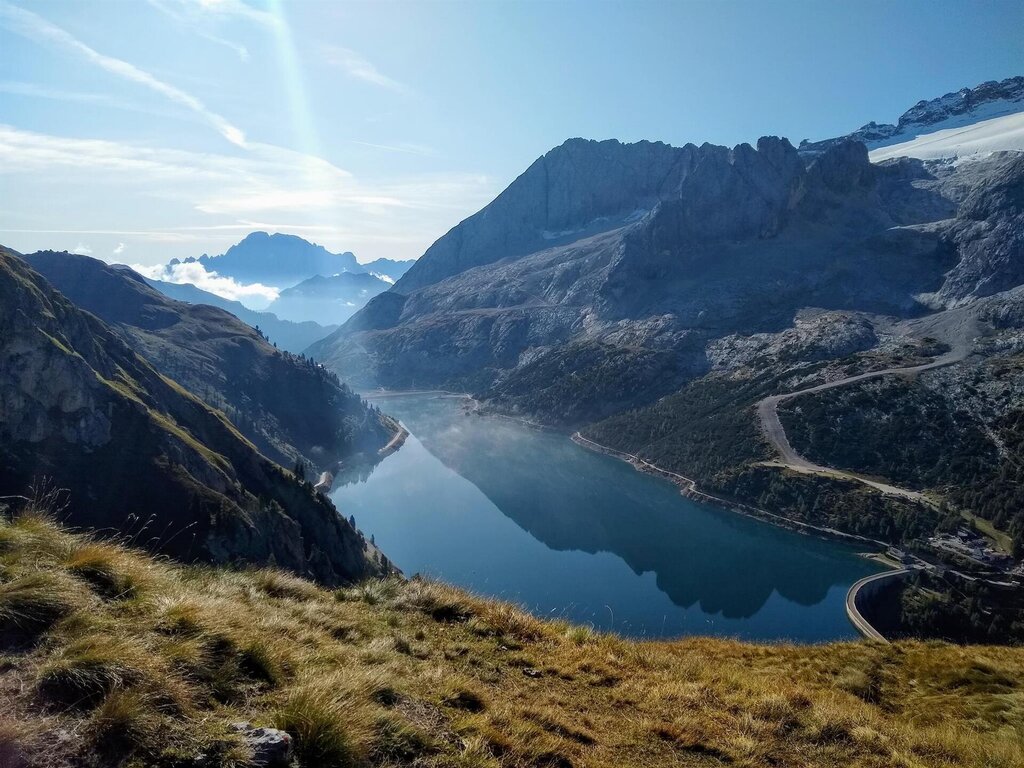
{"x": 253, "y": 295}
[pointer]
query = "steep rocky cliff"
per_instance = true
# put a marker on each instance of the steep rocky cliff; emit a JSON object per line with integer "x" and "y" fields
{"x": 289, "y": 407}
{"x": 142, "y": 458}
{"x": 634, "y": 261}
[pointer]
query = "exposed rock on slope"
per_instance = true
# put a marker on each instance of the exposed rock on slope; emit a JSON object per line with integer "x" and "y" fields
{"x": 645, "y": 247}
{"x": 283, "y": 260}
{"x": 287, "y": 406}
{"x": 142, "y": 457}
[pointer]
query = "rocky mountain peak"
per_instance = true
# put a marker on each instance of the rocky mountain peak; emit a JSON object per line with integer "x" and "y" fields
{"x": 929, "y": 112}
{"x": 989, "y": 100}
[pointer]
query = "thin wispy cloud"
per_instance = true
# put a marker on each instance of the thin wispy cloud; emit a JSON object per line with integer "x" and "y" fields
{"x": 203, "y": 193}
{"x": 37, "y": 91}
{"x": 197, "y": 17}
{"x": 408, "y": 149}
{"x": 118, "y": 249}
{"x": 35, "y": 27}
{"x": 358, "y": 68}
{"x": 233, "y": 8}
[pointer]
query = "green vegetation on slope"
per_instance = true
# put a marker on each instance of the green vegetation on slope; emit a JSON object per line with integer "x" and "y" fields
{"x": 284, "y": 403}
{"x": 586, "y": 381}
{"x": 962, "y": 435}
{"x": 140, "y": 662}
{"x": 705, "y": 428}
{"x": 144, "y": 458}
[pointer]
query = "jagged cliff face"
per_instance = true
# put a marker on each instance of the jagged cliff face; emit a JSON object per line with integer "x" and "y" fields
{"x": 284, "y": 404}
{"x": 140, "y": 456}
{"x": 634, "y": 249}
{"x": 580, "y": 187}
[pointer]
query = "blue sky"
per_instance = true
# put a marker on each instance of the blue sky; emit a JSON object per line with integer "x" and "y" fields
{"x": 143, "y": 131}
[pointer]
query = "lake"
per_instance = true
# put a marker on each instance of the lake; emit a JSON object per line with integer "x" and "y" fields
{"x": 529, "y": 516}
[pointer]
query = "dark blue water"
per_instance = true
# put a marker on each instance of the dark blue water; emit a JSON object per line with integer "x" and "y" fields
{"x": 531, "y": 517}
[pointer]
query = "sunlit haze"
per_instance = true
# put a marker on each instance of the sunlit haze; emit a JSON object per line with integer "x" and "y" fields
{"x": 138, "y": 132}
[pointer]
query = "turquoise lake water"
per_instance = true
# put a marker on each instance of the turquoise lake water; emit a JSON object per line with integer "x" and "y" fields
{"x": 528, "y": 516}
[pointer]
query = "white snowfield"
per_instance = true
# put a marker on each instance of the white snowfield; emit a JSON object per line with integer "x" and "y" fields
{"x": 976, "y": 137}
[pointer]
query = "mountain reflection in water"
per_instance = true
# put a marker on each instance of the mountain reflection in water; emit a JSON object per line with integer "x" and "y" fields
{"x": 529, "y": 516}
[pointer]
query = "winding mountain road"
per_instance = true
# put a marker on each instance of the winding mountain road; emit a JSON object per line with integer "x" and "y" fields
{"x": 958, "y": 329}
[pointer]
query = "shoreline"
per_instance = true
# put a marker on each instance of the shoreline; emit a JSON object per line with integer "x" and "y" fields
{"x": 688, "y": 488}
{"x": 397, "y": 441}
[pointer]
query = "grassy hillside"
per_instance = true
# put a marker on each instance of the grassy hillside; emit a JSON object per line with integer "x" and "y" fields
{"x": 135, "y": 661}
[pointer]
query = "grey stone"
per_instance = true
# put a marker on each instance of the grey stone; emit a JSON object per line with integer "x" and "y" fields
{"x": 271, "y": 748}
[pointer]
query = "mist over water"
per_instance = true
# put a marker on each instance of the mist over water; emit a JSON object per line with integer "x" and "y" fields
{"x": 531, "y": 517}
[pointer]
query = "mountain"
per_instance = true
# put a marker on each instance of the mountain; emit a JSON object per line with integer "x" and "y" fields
{"x": 286, "y": 334}
{"x": 288, "y": 407}
{"x": 634, "y": 249}
{"x": 283, "y": 260}
{"x": 278, "y": 260}
{"x": 986, "y": 118}
{"x": 388, "y": 268}
{"x": 331, "y": 299}
{"x": 140, "y": 456}
{"x": 656, "y": 297}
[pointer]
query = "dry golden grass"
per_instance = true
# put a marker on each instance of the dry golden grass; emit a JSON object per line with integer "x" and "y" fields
{"x": 140, "y": 662}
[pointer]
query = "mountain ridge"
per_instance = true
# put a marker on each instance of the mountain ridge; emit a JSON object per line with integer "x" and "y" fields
{"x": 289, "y": 335}
{"x": 287, "y": 406}
{"x": 282, "y": 260}
{"x": 140, "y": 456}
{"x": 988, "y": 100}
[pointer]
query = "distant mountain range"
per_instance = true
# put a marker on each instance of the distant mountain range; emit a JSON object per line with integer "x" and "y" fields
{"x": 332, "y": 299}
{"x": 284, "y": 260}
{"x": 89, "y": 405}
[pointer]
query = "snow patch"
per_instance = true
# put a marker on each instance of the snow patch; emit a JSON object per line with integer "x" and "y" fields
{"x": 967, "y": 137}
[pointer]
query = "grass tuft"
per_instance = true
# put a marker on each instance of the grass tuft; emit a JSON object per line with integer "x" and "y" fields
{"x": 103, "y": 566}
{"x": 324, "y": 725}
{"x": 84, "y": 672}
{"x": 31, "y": 604}
{"x": 397, "y": 742}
